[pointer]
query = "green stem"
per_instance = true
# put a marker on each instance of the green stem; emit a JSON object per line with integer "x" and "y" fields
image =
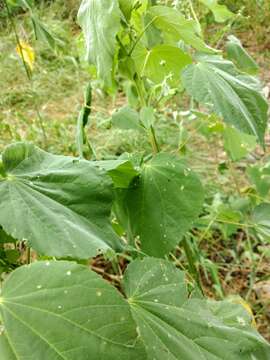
{"x": 153, "y": 140}
{"x": 27, "y": 71}
{"x": 151, "y": 131}
{"x": 191, "y": 263}
{"x": 141, "y": 35}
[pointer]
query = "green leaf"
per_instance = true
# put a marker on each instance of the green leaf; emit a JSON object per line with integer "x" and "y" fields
{"x": 6, "y": 351}
{"x": 61, "y": 310}
{"x": 260, "y": 177}
{"x": 261, "y": 219}
{"x": 59, "y": 204}
{"x": 176, "y": 27}
{"x": 147, "y": 117}
{"x": 240, "y": 56}
{"x": 42, "y": 33}
{"x": 162, "y": 204}
{"x": 100, "y": 21}
{"x": 173, "y": 327}
{"x": 126, "y": 7}
{"x": 126, "y": 118}
{"x": 221, "y": 12}
{"x": 237, "y": 144}
{"x": 5, "y": 238}
{"x": 160, "y": 62}
{"x": 122, "y": 172}
{"x": 215, "y": 82}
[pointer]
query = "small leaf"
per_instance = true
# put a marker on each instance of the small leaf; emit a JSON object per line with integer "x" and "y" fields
{"x": 260, "y": 177}
{"x": 122, "y": 172}
{"x": 261, "y": 219}
{"x": 126, "y": 118}
{"x": 221, "y": 12}
{"x": 59, "y": 204}
{"x": 237, "y": 144}
{"x": 240, "y": 56}
{"x": 147, "y": 116}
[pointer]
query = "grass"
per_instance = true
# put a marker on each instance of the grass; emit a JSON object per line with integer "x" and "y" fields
{"x": 232, "y": 262}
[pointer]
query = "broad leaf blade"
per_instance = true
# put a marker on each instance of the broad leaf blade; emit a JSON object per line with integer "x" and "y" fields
{"x": 237, "y": 144}
{"x": 236, "y": 98}
{"x": 160, "y": 62}
{"x": 6, "y": 350}
{"x": 175, "y": 327}
{"x": 176, "y": 27}
{"x": 100, "y": 21}
{"x": 61, "y": 310}
{"x": 121, "y": 171}
{"x": 162, "y": 204}
{"x": 126, "y": 118}
{"x": 57, "y": 203}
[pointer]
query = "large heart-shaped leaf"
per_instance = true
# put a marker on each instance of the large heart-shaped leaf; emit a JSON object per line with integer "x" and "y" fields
{"x": 61, "y": 310}
{"x": 59, "y": 204}
{"x": 213, "y": 81}
{"x": 100, "y": 21}
{"x": 176, "y": 27}
{"x": 174, "y": 327}
{"x": 162, "y": 204}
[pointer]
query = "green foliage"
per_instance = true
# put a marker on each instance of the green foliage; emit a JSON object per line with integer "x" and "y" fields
{"x": 38, "y": 186}
{"x": 76, "y": 208}
{"x": 162, "y": 204}
{"x": 240, "y": 56}
{"x": 214, "y": 81}
{"x": 221, "y": 12}
{"x": 87, "y": 317}
{"x": 100, "y": 21}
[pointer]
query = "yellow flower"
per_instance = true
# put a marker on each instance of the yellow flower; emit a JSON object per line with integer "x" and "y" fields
{"x": 26, "y": 53}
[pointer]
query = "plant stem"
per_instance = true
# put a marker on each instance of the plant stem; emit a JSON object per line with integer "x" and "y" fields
{"x": 151, "y": 131}
{"x": 153, "y": 140}
{"x": 27, "y": 71}
{"x": 141, "y": 35}
{"x": 192, "y": 268}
